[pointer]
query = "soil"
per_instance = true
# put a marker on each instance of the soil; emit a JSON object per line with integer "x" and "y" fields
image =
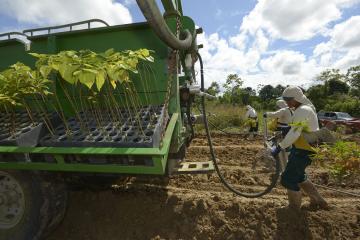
{"x": 199, "y": 207}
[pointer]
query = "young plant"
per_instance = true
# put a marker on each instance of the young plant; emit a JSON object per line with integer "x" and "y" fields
{"x": 18, "y": 85}
{"x": 88, "y": 72}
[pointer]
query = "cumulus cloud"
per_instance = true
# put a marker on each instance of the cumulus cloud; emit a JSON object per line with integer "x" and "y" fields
{"x": 54, "y": 12}
{"x": 294, "y": 20}
{"x": 249, "y": 53}
{"x": 343, "y": 48}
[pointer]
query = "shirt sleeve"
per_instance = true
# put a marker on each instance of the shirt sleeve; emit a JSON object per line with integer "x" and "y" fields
{"x": 276, "y": 114}
{"x": 247, "y": 114}
{"x": 300, "y": 115}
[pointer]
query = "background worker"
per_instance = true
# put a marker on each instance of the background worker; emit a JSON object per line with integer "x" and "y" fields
{"x": 283, "y": 115}
{"x": 252, "y": 120}
{"x": 282, "y": 118}
{"x": 294, "y": 177}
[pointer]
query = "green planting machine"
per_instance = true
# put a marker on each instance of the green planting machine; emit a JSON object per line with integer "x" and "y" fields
{"x": 86, "y": 101}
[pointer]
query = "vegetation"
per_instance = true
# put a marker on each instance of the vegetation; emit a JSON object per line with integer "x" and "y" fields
{"x": 21, "y": 87}
{"x": 342, "y": 159}
{"x": 333, "y": 91}
{"x": 88, "y": 81}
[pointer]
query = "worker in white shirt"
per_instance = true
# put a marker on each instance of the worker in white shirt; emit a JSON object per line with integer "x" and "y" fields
{"x": 294, "y": 177}
{"x": 252, "y": 120}
{"x": 283, "y": 115}
{"x": 282, "y": 118}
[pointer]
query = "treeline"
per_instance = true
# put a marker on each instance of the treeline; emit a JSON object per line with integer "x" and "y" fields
{"x": 332, "y": 91}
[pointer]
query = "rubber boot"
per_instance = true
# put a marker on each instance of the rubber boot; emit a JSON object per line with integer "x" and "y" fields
{"x": 294, "y": 198}
{"x": 316, "y": 200}
{"x": 251, "y": 136}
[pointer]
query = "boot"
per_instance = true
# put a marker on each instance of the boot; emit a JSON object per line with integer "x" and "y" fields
{"x": 251, "y": 136}
{"x": 316, "y": 200}
{"x": 294, "y": 198}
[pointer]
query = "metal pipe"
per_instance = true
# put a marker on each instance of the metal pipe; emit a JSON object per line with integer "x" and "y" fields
{"x": 155, "y": 19}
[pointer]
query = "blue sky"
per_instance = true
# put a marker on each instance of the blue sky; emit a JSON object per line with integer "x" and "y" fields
{"x": 265, "y": 41}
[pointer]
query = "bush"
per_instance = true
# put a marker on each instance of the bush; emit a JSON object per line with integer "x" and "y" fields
{"x": 342, "y": 159}
{"x": 345, "y": 103}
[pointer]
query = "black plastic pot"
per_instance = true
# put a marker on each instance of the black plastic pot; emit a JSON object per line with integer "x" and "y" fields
{"x": 27, "y": 133}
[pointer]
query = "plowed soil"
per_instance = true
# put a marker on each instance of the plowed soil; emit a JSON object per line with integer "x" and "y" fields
{"x": 199, "y": 207}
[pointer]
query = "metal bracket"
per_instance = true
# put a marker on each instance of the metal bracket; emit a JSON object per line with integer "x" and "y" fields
{"x": 194, "y": 168}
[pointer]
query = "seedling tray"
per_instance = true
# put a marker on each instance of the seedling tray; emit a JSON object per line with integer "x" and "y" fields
{"x": 131, "y": 128}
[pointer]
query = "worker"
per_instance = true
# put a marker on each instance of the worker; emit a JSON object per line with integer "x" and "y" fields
{"x": 252, "y": 121}
{"x": 282, "y": 116}
{"x": 294, "y": 178}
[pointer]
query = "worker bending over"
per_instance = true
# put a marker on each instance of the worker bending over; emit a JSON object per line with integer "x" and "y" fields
{"x": 252, "y": 120}
{"x": 281, "y": 118}
{"x": 294, "y": 177}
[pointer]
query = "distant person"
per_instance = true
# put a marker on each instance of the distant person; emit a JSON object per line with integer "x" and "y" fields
{"x": 294, "y": 177}
{"x": 252, "y": 120}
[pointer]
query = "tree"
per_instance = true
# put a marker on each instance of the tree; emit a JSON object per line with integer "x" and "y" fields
{"x": 233, "y": 88}
{"x": 353, "y": 76}
{"x": 337, "y": 87}
{"x": 246, "y": 93}
{"x": 317, "y": 96}
{"x": 331, "y": 75}
{"x": 266, "y": 93}
{"x": 214, "y": 89}
{"x": 278, "y": 90}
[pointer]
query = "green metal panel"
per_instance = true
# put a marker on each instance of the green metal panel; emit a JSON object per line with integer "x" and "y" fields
{"x": 11, "y": 52}
{"x": 159, "y": 157}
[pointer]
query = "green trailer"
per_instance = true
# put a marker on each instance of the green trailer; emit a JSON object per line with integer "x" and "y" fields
{"x": 34, "y": 175}
{"x": 100, "y": 121}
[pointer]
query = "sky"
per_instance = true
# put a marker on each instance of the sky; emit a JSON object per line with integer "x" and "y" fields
{"x": 285, "y": 42}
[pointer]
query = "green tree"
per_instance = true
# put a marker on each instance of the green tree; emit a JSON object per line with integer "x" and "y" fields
{"x": 353, "y": 77}
{"x": 337, "y": 87}
{"x": 266, "y": 93}
{"x": 246, "y": 94}
{"x": 214, "y": 89}
{"x": 331, "y": 75}
{"x": 317, "y": 96}
{"x": 233, "y": 89}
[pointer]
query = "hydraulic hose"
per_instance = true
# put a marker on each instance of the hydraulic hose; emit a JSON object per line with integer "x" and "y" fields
{"x": 213, "y": 156}
{"x": 155, "y": 19}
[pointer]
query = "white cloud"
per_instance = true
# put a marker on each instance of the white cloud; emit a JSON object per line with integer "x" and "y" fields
{"x": 54, "y": 12}
{"x": 347, "y": 34}
{"x": 294, "y": 20}
{"x": 285, "y": 62}
{"x": 343, "y": 48}
{"x": 247, "y": 53}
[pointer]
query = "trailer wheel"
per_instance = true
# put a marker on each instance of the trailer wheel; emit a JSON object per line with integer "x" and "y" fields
{"x": 57, "y": 195}
{"x": 23, "y": 207}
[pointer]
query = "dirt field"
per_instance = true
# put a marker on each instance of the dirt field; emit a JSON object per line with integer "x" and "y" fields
{"x": 199, "y": 207}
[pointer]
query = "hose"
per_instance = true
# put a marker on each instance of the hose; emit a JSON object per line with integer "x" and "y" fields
{"x": 336, "y": 190}
{"x": 153, "y": 16}
{"x": 213, "y": 157}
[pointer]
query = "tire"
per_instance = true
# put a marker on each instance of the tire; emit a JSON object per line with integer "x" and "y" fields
{"x": 56, "y": 194}
{"x": 33, "y": 217}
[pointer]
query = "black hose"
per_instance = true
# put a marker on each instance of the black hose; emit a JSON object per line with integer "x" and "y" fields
{"x": 213, "y": 157}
